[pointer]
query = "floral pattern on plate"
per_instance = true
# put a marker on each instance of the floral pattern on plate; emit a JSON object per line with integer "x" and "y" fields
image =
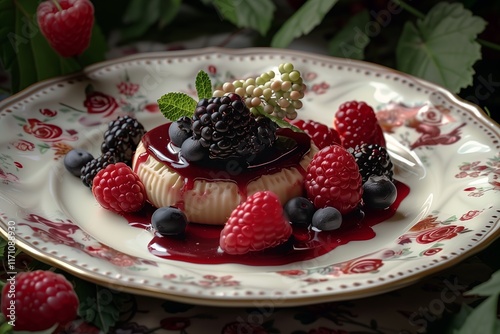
{"x": 444, "y": 149}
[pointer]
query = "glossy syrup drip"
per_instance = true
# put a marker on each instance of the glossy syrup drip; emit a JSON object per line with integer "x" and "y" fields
{"x": 201, "y": 242}
{"x": 287, "y": 152}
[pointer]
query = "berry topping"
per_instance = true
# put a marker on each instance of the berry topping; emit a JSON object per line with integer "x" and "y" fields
{"x": 75, "y": 159}
{"x": 225, "y": 128}
{"x": 333, "y": 179}
{"x": 321, "y": 134}
{"x": 299, "y": 211}
{"x": 256, "y": 224}
{"x": 356, "y": 124}
{"x": 42, "y": 299}
{"x": 379, "y": 192}
{"x": 119, "y": 189}
{"x": 91, "y": 168}
{"x": 67, "y": 25}
{"x": 180, "y": 130}
{"x": 327, "y": 219}
{"x": 276, "y": 95}
{"x": 122, "y": 137}
{"x": 169, "y": 221}
{"x": 372, "y": 159}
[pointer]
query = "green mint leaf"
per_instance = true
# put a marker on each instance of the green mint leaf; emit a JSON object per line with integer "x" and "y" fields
{"x": 441, "y": 47}
{"x": 174, "y": 105}
{"x": 483, "y": 319}
{"x": 488, "y": 288}
{"x": 168, "y": 11}
{"x": 303, "y": 21}
{"x": 255, "y": 14}
{"x": 351, "y": 41}
{"x": 203, "y": 85}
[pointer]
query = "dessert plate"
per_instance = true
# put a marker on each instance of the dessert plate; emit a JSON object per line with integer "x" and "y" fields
{"x": 445, "y": 149}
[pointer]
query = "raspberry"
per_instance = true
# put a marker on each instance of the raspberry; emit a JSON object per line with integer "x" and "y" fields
{"x": 42, "y": 299}
{"x": 67, "y": 25}
{"x": 333, "y": 179}
{"x": 356, "y": 124}
{"x": 91, "y": 168}
{"x": 223, "y": 127}
{"x": 321, "y": 134}
{"x": 256, "y": 224}
{"x": 119, "y": 189}
{"x": 373, "y": 159}
{"x": 122, "y": 137}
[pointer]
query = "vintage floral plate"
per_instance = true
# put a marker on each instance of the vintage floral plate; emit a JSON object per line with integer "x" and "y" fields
{"x": 445, "y": 149}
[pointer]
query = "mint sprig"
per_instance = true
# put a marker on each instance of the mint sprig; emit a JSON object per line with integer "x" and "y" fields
{"x": 203, "y": 85}
{"x": 175, "y": 105}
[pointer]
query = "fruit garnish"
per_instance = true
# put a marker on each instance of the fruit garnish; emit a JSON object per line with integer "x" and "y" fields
{"x": 333, "y": 179}
{"x": 91, "y": 168}
{"x": 327, "y": 219}
{"x": 273, "y": 95}
{"x": 321, "y": 134}
{"x": 256, "y": 224}
{"x": 122, "y": 137}
{"x": 356, "y": 123}
{"x": 379, "y": 192}
{"x": 169, "y": 221}
{"x": 42, "y": 299}
{"x": 372, "y": 159}
{"x": 67, "y": 25}
{"x": 299, "y": 211}
{"x": 75, "y": 159}
{"x": 117, "y": 188}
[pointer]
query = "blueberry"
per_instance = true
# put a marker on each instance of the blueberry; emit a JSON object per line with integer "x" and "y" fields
{"x": 299, "y": 211}
{"x": 327, "y": 219}
{"x": 379, "y": 192}
{"x": 169, "y": 221}
{"x": 179, "y": 131}
{"x": 192, "y": 150}
{"x": 75, "y": 159}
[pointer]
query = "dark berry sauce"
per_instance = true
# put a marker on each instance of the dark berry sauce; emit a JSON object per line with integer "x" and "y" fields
{"x": 287, "y": 152}
{"x": 200, "y": 244}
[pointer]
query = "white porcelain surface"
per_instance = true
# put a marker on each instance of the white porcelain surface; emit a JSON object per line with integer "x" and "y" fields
{"x": 443, "y": 148}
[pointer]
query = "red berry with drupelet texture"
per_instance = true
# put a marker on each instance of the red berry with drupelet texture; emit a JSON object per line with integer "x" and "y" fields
{"x": 333, "y": 179}
{"x": 117, "y": 188}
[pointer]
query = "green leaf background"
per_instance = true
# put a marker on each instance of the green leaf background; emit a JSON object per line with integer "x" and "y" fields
{"x": 442, "y": 47}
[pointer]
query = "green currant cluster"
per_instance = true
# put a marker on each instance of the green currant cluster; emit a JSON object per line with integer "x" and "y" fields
{"x": 279, "y": 96}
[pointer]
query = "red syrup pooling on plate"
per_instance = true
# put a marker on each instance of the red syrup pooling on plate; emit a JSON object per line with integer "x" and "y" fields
{"x": 200, "y": 244}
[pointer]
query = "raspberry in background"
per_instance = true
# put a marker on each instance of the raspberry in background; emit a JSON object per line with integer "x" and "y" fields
{"x": 321, "y": 134}
{"x": 42, "y": 299}
{"x": 67, "y": 25}
{"x": 255, "y": 225}
{"x": 117, "y": 188}
{"x": 356, "y": 123}
{"x": 333, "y": 179}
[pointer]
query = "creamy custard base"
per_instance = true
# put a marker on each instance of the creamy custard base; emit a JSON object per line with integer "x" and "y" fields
{"x": 208, "y": 194}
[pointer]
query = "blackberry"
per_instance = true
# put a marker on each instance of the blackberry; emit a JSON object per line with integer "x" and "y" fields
{"x": 225, "y": 128}
{"x": 180, "y": 130}
{"x": 122, "y": 137}
{"x": 373, "y": 159}
{"x": 91, "y": 168}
